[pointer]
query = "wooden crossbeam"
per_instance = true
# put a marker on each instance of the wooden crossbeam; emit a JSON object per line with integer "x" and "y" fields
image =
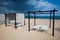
{"x": 42, "y": 11}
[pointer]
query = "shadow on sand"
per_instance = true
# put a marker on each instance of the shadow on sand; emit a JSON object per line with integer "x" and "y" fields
{"x": 57, "y": 29}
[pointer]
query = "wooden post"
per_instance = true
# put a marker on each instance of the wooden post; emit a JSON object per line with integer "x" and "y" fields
{"x": 5, "y": 20}
{"x": 50, "y": 20}
{"x": 34, "y": 18}
{"x": 53, "y": 22}
{"x": 28, "y": 21}
{"x": 15, "y": 22}
{"x": 24, "y": 22}
{"x": 9, "y": 20}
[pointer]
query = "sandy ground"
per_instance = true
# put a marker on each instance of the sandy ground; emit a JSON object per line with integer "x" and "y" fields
{"x": 22, "y": 33}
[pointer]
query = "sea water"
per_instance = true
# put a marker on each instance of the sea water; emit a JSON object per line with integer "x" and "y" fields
{"x": 43, "y": 17}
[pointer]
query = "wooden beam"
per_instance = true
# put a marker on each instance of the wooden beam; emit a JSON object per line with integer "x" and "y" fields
{"x": 53, "y": 22}
{"x": 34, "y": 18}
{"x": 47, "y": 11}
{"x": 24, "y": 22}
{"x": 9, "y": 20}
{"x": 5, "y": 20}
{"x": 15, "y": 22}
{"x": 28, "y": 21}
{"x": 42, "y": 11}
{"x": 50, "y": 20}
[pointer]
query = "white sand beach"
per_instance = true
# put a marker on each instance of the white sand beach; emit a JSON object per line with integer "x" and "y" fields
{"x": 22, "y": 33}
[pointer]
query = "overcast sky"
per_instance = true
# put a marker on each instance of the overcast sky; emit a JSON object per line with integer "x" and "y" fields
{"x": 7, "y": 6}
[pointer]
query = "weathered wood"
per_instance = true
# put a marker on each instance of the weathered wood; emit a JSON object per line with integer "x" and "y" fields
{"x": 50, "y": 20}
{"x": 15, "y": 22}
{"x": 42, "y": 11}
{"x": 53, "y": 22}
{"x": 34, "y": 18}
{"x": 28, "y": 21}
{"x": 24, "y": 22}
{"x": 9, "y": 21}
{"x": 5, "y": 20}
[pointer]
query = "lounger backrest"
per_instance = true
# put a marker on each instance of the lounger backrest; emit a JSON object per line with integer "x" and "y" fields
{"x": 44, "y": 28}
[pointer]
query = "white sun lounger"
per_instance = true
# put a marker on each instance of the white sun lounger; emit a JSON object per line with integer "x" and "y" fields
{"x": 2, "y": 22}
{"x": 36, "y": 27}
{"x": 17, "y": 24}
{"x": 40, "y": 27}
{"x": 44, "y": 28}
{"x": 14, "y": 25}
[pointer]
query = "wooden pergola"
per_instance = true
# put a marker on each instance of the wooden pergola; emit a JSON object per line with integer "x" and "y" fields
{"x": 14, "y": 16}
{"x": 42, "y": 12}
{"x": 10, "y": 16}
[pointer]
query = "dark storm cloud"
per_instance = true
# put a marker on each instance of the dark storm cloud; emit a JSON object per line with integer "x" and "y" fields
{"x": 25, "y": 5}
{"x": 11, "y": 2}
{"x": 17, "y": 5}
{"x": 14, "y": 5}
{"x": 18, "y": 1}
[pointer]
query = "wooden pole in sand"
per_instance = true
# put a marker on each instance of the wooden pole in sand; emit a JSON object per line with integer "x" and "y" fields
{"x": 50, "y": 20}
{"x": 53, "y": 22}
{"x": 5, "y": 20}
{"x": 28, "y": 21}
{"x": 34, "y": 18}
{"x": 9, "y": 21}
{"x": 15, "y": 21}
{"x": 24, "y": 22}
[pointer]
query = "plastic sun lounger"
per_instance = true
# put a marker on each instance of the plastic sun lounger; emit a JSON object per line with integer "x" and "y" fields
{"x": 1, "y": 22}
{"x": 40, "y": 27}
{"x": 18, "y": 24}
{"x": 44, "y": 28}
{"x": 37, "y": 27}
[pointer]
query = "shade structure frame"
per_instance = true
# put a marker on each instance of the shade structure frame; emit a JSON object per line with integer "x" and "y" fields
{"x": 9, "y": 20}
{"x": 54, "y": 10}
